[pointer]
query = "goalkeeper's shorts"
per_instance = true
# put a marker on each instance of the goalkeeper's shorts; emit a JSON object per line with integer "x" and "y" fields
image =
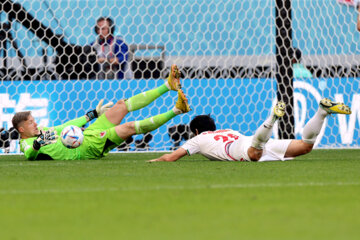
{"x": 99, "y": 138}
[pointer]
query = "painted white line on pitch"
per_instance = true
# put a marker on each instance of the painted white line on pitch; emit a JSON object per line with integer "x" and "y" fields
{"x": 155, "y": 188}
{"x": 65, "y": 163}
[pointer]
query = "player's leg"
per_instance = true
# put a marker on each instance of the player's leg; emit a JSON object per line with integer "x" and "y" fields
{"x": 313, "y": 127}
{"x": 122, "y": 107}
{"x": 298, "y": 148}
{"x": 263, "y": 133}
{"x": 147, "y": 125}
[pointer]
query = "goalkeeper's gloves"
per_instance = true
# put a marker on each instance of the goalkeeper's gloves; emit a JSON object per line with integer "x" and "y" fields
{"x": 99, "y": 110}
{"x": 45, "y": 138}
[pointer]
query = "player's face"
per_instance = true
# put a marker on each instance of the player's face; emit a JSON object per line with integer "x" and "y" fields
{"x": 103, "y": 27}
{"x": 29, "y": 127}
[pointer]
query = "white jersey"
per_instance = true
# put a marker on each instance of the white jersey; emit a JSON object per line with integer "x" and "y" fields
{"x": 230, "y": 145}
{"x": 215, "y": 145}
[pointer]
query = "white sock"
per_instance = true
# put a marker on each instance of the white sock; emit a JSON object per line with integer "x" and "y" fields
{"x": 168, "y": 86}
{"x": 313, "y": 126}
{"x": 177, "y": 111}
{"x": 263, "y": 133}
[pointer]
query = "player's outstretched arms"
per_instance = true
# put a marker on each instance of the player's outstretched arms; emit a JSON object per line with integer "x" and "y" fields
{"x": 172, "y": 157}
{"x": 45, "y": 138}
{"x": 98, "y": 111}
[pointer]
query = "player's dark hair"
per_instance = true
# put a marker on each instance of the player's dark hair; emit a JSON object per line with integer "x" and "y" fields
{"x": 202, "y": 123}
{"x": 19, "y": 118}
{"x": 111, "y": 25}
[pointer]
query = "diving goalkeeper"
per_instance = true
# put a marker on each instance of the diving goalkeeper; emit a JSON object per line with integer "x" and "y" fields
{"x": 105, "y": 133}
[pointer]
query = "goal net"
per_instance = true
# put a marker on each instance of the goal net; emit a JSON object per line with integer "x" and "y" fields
{"x": 226, "y": 50}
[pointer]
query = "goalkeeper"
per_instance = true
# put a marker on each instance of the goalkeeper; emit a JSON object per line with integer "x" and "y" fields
{"x": 105, "y": 133}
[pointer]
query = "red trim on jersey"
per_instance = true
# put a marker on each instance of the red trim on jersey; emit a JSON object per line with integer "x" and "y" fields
{"x": 227, "y": 146}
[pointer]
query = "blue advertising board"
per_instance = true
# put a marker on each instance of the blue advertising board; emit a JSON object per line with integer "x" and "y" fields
{"x": 240, "y": 104}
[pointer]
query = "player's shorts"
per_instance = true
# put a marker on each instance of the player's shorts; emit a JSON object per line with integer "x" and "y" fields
{"x": 99, "y": 138}
{"x": 274, "y": 149}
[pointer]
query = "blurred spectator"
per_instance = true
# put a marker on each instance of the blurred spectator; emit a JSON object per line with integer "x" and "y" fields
{"x": 300, "y": 71}
{"x": 112, "y": 51}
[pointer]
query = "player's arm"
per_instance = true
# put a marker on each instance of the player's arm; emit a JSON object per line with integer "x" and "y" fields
{"x": 44, "y": 138}
{"x": 30, "y": 153}
{"x": 190, "y": 147}
{"x": 79, "y": 122}
{"x": 172, "y": 157}
{"x": 98, "y": 111}
{"x": 95, "y": 113}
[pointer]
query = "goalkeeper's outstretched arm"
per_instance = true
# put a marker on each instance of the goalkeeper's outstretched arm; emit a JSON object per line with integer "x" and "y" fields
{"x": 79, "y": 122}
{"x": 95, "y": 113}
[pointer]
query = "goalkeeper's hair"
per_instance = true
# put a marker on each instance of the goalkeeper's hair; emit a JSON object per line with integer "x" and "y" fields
{"x": 19, "y": 118}
{"x": 202, "y": 123}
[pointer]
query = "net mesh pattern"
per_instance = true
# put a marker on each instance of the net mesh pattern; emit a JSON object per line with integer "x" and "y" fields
{"x": 50, "y": 50}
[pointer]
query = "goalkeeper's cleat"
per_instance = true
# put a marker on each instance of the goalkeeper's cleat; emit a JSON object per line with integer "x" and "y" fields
{"x": 174, "y": 78}
{"x": 182, "y": 105}
{"x": 333, "y": 107}
{"x": 279, "y": 109}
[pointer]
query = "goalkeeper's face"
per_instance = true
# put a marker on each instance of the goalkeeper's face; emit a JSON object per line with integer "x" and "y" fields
{"x": 29, "y": 128}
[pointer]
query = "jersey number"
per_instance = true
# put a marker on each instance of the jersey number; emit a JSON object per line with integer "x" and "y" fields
{"x": 225, "y": 138}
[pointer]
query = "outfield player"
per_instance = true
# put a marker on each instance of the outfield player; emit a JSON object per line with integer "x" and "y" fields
{"x": 230, "y": 145}
{"x": 105, "y": 133}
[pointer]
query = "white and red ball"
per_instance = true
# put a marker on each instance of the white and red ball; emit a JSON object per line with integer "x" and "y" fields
{"x": 72, "y": 136}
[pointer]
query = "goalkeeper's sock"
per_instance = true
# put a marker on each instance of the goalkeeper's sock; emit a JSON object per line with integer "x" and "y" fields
{"x": 263, "y": 133}
{"x": 145, "y": 98}
{"x": 150, "y": 124}
{"x": 313, "y": 126}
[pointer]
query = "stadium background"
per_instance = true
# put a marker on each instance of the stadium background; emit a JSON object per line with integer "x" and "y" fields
{"x": 234, "y": 38}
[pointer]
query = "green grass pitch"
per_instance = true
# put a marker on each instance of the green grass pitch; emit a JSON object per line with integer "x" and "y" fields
{"x": 122, "y": 197}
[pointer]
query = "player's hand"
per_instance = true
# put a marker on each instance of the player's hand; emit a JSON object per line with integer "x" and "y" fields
{"x": 100, "y": 108}
{"x": 160, "y": 159}
{"x": 154, "y": 160}
{"x": 45, "y": 138}
{"x": 172, "y": 157}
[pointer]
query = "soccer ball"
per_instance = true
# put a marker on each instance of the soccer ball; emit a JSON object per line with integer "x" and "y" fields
{"x": 72, "y": 136}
